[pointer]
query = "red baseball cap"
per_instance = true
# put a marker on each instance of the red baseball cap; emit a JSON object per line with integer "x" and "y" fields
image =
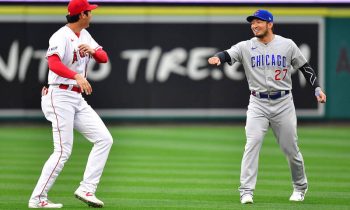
{"x": 77, "y": 6}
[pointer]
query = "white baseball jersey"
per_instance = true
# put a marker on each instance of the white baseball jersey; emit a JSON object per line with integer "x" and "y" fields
{"x": 64, "y": 43}
{"x": 67, "y": 110}
{"x": 268, "y": 66}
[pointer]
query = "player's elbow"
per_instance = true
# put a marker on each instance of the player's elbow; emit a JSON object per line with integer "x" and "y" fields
{"x": 104, "y": 60}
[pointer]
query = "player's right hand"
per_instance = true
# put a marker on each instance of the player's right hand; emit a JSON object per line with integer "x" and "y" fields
{"x": 214, "y": 61}
{"x": 83, "y": 84}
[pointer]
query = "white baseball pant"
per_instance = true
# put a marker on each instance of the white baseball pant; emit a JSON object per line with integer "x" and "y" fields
{"x": 68, "y": 110}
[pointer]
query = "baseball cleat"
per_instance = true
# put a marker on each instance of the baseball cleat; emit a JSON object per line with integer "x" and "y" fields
{"x": 44, "y": 205}
{"x": 297, "y": 196}
{"x": 89, "y": 198}
{"x": 247, "y": 199}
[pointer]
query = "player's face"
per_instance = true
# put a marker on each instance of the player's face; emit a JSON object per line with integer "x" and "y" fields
{"x": 86, "y": 17}
{"x": 260, "y": 28}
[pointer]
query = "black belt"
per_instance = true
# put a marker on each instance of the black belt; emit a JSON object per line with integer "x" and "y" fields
{"x": 270, "y": 95}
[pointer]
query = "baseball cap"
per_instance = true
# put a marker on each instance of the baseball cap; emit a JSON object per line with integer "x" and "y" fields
{"x": 77, "y": 6}
{"x": 262, "y": 15}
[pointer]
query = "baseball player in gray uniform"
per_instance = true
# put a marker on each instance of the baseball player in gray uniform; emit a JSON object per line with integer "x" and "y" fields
{"x": 268, "y": 60}
{"x": 70, "y": 50}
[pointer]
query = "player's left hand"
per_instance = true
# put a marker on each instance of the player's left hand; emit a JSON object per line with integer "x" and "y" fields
{"x": 86, "y": 49}
{"x": 321, "y": 97}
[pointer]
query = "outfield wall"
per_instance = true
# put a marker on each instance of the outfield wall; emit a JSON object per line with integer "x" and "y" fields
{"x": 158, "y": 56}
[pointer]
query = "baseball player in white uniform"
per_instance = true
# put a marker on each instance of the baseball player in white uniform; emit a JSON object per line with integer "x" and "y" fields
{"x": 268, "y": 60}
{"x": 70, "y": 50}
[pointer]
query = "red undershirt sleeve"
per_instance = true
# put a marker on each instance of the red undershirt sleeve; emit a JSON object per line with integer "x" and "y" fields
{"x": 100, "y": 56}
{"x": 56, "y": 65}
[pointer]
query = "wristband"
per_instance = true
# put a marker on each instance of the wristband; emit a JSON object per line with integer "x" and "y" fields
{"x": 317, "y": 91}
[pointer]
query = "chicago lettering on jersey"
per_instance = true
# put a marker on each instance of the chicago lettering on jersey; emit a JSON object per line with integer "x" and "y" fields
{"x": 268, "y": 60}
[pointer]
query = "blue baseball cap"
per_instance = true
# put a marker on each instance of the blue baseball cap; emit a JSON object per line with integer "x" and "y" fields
{"x": 262, "y": 15}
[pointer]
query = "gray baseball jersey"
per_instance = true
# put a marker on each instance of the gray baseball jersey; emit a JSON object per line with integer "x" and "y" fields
{"x": 268, "y": 66}
{"x": 268, "y": 69}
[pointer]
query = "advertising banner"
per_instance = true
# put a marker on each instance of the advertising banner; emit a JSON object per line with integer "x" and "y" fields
{"x": 158, "y": 66}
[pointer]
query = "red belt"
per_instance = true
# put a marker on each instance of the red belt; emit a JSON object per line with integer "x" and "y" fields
{"x": 74, "y": 88}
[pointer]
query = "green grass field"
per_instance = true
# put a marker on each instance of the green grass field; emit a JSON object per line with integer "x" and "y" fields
{"x": 179, "y": 167}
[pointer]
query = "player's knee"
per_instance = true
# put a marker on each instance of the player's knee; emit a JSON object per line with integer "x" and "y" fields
{"x": 64, "y": 154}
{"x": 107, "y": 140}
{"x": 254, "y": 138}
{"x": 290, "y": 151}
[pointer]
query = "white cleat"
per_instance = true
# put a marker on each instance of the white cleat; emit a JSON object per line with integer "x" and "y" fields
{"x": 44, "y": 205}
{"x": 297, "y": 196}
{"x": 247, "y": 199}
{"x": 88, "y": 198}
